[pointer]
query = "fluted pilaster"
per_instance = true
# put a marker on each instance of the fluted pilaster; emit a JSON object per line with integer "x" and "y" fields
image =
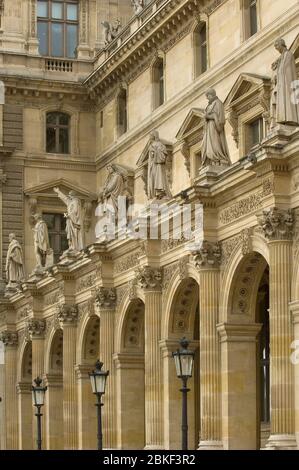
{"x": 106, "y": 302}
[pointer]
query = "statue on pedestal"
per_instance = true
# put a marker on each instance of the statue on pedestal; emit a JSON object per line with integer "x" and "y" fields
{"x": 14, "y": 267}
{"x": 214, "y": 146}
{"x": 73, "y": 219}
{"x": 157, "y": 181}
{"x": 41, "y": 242}
{"x": 284, "y": 103}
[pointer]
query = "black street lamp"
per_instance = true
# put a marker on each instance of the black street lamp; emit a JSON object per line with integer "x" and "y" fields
{"x": 98, "y": 379}
{"x": 38, "y": 400}
{"x": 184, "y": 359}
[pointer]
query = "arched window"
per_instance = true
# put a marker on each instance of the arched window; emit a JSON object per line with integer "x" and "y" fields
{"x": 122, "y": 112}
{"x": 57, "y": 27}
{"x": 158, "y": 83}
{"x": 200, "y": 49}
{"x": 57, "y": 132}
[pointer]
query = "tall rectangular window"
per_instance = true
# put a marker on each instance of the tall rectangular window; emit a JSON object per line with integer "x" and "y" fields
{"x": 57, "y": 236}
{"x": 158, "y": 83}
{"x": 57, "y": 27}
{"x": 255, "y": 133}
{"x": 253, "y": 17}
{"x": 200, "y": 49}
{"x": 250, "y": 18}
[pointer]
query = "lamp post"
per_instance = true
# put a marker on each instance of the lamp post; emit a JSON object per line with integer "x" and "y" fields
{"x": 184, "y": 359}
{"x": 98, "y": 379}
{"x": 38, "y": 400}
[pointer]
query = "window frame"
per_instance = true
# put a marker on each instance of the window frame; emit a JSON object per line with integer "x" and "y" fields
{"x": 158, "y": 98}
{"x": 121, "y": 127}
{"x": 57, "y": 127}
{"x": 246, "y": 26}
{"x": 57, "y": 233}
{"x": 197, "y": 45}
{"x": 65, "y": 22}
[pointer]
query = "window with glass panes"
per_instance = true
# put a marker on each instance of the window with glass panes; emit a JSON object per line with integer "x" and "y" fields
{"x": 57, "y": 133}
{"x": 57, "y": 27}
{"x": 57, "y": 236}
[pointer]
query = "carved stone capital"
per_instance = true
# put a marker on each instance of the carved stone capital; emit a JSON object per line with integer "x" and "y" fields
{"x": 209, "y": 256}
{"x": 277, "y": 224}
{"x": 67, "y": 314}
{"x": 149, "y": 278}
{"x": 106, "y": 298}
{"x": 36, "y": 328}
{"x": 9, "y": 338}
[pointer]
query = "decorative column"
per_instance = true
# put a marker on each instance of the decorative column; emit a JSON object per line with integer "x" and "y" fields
{"x": 33, "y": 40}
{"x": 25, "y": 412}
{"x": 54, "y": 411}
{"x": 87, "y": 431}
{"x": 36, "y": 330}
{"x": 277, "y": 227}
{"x": 2, "y": 181}
{"x": 68, "y": 315}
{"x": 106, "y": 302}
{"x": 150, "y": 280}
{"x": 295, "y": 364}
{"x": 83, "y": 47}
{"x": 10, "y": 341}
{"x": 207, "y": 261}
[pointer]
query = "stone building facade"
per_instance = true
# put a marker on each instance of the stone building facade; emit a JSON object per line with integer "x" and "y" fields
{"x": 128, "y": 300}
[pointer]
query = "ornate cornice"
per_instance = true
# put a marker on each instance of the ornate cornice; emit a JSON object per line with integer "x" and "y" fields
{"x": 67, "y": 314}
{"x": 106, "y": 298}
{"x": 36, "y": 328}
{"x": 9, "y": 338}
{"x": 149, "y": 278}
{"x": 277, "y": 224}
{"x": 209, "y": 256}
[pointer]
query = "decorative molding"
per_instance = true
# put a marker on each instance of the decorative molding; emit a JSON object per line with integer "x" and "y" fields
{"x": 84, "y": 22}
{"x": 24, "y": 313}
{"x": 246, "y": 205}
{"x": 208, "y": 10}
{"x": 9, "y": 338}
{"x": 86, "y": 309}
{"x": 86, "y": 282}
{"x": 208, "y": 256}
{"x": 246, "y": 241}
{"x": 126, "y": 262}
{"x": 36, "y": 328}
{"x": 168, "y": 273}
{"x": 149, "y": 278}
{"x": 171, "y": 243}
{"x": 106, "y": 298}
{"x": 277, "y": 224}
{"x": 67, "y": 314}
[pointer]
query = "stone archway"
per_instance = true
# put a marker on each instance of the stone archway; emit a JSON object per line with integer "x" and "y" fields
{"x": 239, "y": 336}
{"x": 54, "y": 395}
{"x": 130, "y": 381}
{"x": 89, "y": 343}
{"x": 25, "y": 408}
{"x": 183, "y": 320}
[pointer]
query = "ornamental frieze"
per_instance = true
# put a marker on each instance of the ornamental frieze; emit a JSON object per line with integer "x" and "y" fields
{"x": 126, "y": 262}
{"x": 228, "y": 247}
{"x": 247, "y": 205}
{"x": 86, "y": 282}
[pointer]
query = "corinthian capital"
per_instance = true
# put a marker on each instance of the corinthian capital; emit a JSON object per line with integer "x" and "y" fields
{"x": 36, "y": 328}
{"x": 149, "y": 278}
{"x": 9, "y": 338}
{"x": 67, "y": 314}
{"x": 208, "y": 256}
{"x": 106, "y": 298}
{"x": 277, "y": 224}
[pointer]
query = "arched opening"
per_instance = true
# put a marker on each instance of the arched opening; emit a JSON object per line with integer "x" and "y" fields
{"x": 245, "y": 356}
{"x": 25, "y": 411}
{"x": 86, "y": 400}
{"x": 183, "y": 321}
{"x": 263, "y": 359}
{"x": 130, "y": 380}
{"x": 54, "y": 395}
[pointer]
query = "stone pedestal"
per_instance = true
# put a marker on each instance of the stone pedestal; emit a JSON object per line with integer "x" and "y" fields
{"x": 239, "y": 393}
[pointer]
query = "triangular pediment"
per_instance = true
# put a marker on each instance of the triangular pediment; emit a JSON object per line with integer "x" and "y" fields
{"x": 46, "y": 189}
{"x": 245, "y": 85}
{"x": 193, "y": 120}
{"x": 142, "y": 160}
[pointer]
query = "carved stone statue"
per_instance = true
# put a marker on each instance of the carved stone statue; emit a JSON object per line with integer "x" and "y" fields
{"x": 41, "y": 241}
{"x": 214, "y": 146}
{"x": 157, "y": 181}
{"x": 115, "y": 186}
{"x": 73, "y": 219}
{"x": 137, "y": 5}
{"x": 284, "y": 108}
{"x": 111, "y": 30}
{"x": 14, "y": 263}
